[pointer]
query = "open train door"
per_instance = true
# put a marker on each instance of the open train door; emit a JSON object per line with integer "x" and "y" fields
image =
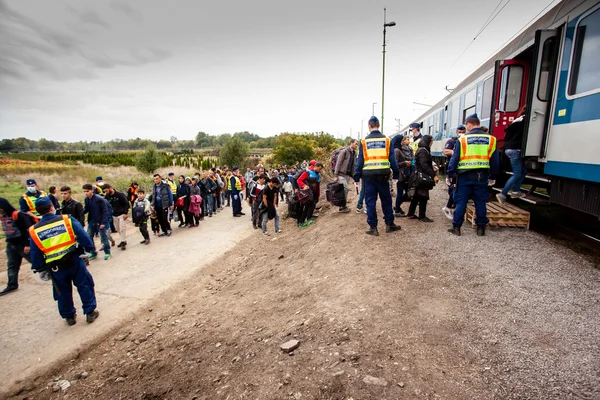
{"x": 510, "y": 94}
{"x": 541, "y": 87}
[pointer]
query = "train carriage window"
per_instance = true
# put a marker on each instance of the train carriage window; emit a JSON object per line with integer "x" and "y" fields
{"x": 454, "y": 114}
{"x": 486, "y": 104}
{"x": 470, "y": 102}
{"x": 547, "y": 69}
{"x": 510, "y": 92}
{"x": 585, "y": 69}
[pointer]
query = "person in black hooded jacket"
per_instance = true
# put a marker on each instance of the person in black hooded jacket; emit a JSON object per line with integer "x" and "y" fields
{"x": 16, "y": 230}
{"x": 423, "y": 164}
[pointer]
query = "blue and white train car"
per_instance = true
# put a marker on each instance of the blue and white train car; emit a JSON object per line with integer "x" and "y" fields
{"x": 552, "y": 68}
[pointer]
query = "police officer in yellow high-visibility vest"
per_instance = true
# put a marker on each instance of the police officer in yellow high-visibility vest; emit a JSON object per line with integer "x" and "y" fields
{"x": 416, "y": 137}
{"x": 375, "y": 158}
{"x": 54, "y": 252}
{"x": 475, "y": 165}
{"x": 28, "y": 200}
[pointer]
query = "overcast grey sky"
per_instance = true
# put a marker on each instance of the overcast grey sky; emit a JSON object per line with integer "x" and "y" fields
{"x": 100, "y": 70}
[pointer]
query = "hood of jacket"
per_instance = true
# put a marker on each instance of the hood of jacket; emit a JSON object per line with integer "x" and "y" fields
{"x": 426, "y": 141}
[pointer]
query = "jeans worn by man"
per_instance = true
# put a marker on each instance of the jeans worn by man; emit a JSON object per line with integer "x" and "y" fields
{"x": 93, "y": 229}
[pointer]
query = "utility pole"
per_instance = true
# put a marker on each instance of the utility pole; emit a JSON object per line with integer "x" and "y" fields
{"x": 385, "y": 25}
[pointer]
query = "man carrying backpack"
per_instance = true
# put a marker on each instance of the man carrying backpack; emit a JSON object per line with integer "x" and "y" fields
{"x": 342, "y": 165}
{"x": 15, "y": 225}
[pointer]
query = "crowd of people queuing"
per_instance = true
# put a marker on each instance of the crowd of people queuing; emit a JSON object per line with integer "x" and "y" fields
{"x": 50, "y": 234}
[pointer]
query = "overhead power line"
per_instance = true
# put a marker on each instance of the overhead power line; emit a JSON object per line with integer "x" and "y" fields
{"x": 487, "y": 23}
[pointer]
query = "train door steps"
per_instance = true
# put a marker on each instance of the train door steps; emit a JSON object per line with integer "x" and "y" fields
{"x": 502, "y": 215}
{"x": 532, "y": 198}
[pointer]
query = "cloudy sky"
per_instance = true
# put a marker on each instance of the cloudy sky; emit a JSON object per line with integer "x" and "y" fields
{"x": 100, "y": 70}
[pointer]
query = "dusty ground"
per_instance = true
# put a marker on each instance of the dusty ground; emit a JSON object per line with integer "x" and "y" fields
{"x": 430, "y": 315}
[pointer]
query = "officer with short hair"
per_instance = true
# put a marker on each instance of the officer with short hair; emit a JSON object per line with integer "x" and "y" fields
{"x": 475, "y": 165}
{"x": 55, "y": 254}
{"x": 415, "y": 128}
{"x": 375, "y": 158}
{"x": 28, "y": 200}
{"x": 448, "y": 151}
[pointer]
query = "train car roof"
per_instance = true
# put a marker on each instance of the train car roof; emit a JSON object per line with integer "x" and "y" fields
{"x": 544, "y": 22}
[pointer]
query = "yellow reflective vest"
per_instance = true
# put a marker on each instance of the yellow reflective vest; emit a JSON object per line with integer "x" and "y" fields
{"x": 31, "y": 200}
{"x": 376, "y": 154}
{"x": 414, "y": 143}
{"x": 55, "y": 238}
{"x": 172, "y": 186}
{"x": 476, "y": 151}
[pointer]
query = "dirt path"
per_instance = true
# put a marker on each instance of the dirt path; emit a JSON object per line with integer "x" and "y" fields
{"x": 418, "y": 314}
{"x": 33, "y": 335}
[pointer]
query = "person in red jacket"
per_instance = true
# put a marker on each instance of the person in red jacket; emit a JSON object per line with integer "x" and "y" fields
{"x": 309, "y": 181}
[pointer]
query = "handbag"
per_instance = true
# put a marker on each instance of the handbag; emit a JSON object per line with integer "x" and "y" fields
{"x": 180, "y": 202}
{"x": 305, "y": 196}
{"x": 424, "y": 181}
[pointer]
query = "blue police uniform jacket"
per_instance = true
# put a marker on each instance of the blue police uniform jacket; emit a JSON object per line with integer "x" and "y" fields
{"x": 360, "y": 161}
{"x": 453, "y": 165}
{"x": 37, "y": 256}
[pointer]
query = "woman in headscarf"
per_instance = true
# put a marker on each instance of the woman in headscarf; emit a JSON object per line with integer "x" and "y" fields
{"x": 404, "y": 161}
{"x": 424, "y": 165}
{"x": 183, "y": 198}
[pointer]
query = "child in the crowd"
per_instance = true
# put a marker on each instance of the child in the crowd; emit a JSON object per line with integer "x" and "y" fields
{"x": 139, "y": 213}
{"x": 287, "y": 189}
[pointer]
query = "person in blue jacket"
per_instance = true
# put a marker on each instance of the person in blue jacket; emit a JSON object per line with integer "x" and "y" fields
{"x": 375, "y": 158}
{"x": 56, "y": 242}
{"x": 98, "y": 217}
{"x": 474, "y": 164}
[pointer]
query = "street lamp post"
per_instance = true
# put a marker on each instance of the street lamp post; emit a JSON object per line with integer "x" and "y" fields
{"x": 385, "y": 25}
{"x": 373, "y": 109}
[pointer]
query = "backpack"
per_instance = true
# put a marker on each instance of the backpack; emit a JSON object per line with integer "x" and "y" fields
{"x": 295, "y": 178}
{"x": 251, "y": 185}
{"x": 334, "y": 157}
{"x": 138, "y": 214}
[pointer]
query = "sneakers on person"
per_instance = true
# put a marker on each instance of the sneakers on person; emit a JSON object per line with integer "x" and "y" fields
{"x": 91, "y": 317}
{"x": 447, "y": 212}
{"x": 107, "y": 257}
{"x": 517, "y": 195}
{"x": 242, "y": 213}
{"x": 481, "y": 231}
{"x": 344, "y": 210}
{"x": 359, "y": 210}
{"x": 147, "y": 241}
{"x": 365, "y": 210}
{"x": 425, "y": 220}
{"x": 400, "y": 214}
{"x": 71, "y": 320}
{"x": 143, "y": 241}
{"x": 255, "y": 226}
{"x": 310, "y": 222}
{"x": 8, "y": 290}
{"x": 92, "y": 256}
{"x": 169, "y": 233}
{"x": 123, "y": 245}
{"x": 112, "y": 243}
{"x": 501, "y": 198}
{"x": 413, "y": 216}
{"x": 278, "y": 232}
{"x": 120, "y": 245}
{"x": 266, "y": 234}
